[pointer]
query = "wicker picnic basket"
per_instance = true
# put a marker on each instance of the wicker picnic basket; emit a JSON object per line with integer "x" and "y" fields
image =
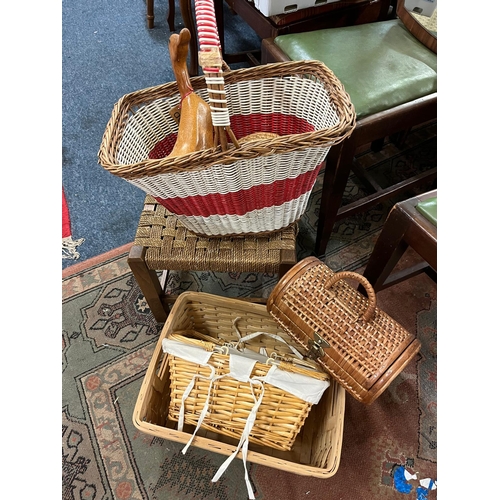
{"x": 280, "y": 414}
{"x": 256, "y": 186}
{"x": 241, "y": 386}
{"x": 282, "y": 436}
{"x": 361, "y": 346}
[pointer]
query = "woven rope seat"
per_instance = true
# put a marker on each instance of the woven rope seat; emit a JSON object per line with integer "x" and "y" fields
{"x": 162, "y": 243}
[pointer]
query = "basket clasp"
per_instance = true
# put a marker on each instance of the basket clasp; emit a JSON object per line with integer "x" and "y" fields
{"x": 317, "y": 347}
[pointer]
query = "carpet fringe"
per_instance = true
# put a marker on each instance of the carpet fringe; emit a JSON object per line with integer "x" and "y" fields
{"x": 69, "y": 247}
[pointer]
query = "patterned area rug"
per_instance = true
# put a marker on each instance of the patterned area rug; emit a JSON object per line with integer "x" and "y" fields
{"x": 389, "y": 448}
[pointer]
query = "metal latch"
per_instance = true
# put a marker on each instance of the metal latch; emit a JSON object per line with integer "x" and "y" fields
{"x": 316, "y": 346}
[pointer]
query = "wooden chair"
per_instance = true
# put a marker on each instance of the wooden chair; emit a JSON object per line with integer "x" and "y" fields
{"x": 411, "y": 223}
{"x": 162, "y": 244}
{"x": 391, "y": 78}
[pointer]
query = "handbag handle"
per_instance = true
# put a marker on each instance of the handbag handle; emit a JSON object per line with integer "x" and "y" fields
{"x": 372, "y": 299}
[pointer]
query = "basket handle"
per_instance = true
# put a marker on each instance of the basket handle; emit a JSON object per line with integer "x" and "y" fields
{"x": 251, "y": 336}
{"x": 372, "y": 299}
{"x": 192, "y": 337}
{"x": 210, "y": 59}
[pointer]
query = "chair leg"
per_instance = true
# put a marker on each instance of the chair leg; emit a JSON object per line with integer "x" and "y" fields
{"x": 150, "y": 13}
{"x": 188, "y": 19}
{"x": 378, "y": 145}
{"x": 399, "y": 138}
{"x": 337, "y": 169}
{"x": 171, "y": 15}
{"x": 148, "y": 283}
{"x": 388, "y": 250}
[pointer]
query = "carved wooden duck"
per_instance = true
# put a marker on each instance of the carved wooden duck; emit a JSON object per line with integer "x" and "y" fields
{"x": 195, "y": 126}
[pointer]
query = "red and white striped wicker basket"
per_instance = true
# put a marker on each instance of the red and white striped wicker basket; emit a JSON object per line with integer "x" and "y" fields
{"x": 253, "y": 187}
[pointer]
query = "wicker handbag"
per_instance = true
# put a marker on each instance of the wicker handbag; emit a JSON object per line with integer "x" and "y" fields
{"x": 362, "y": 347}
{"x": 256, "y": 186}
{"x": 241, "y": 387}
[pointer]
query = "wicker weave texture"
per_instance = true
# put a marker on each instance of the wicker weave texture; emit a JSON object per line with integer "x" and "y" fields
{"x": 255, "y": 209}
{"x": 280, "y": 415}
{"x": 364, "y": 355}
{"x": 141, "y": 119}
{"x": 316, "y": 450}
{"x": 170, "y": 245}
{"x": 260, "y": 186}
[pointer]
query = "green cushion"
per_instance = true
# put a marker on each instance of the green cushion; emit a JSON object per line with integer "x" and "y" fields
{"x": 380, "y": 64}
{"x": 428, "y": 209}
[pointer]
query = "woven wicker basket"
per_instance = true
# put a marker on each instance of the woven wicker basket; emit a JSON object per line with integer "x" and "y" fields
{"x": 260, "y": 186}
{"x": 316, "y": 448}
{"x": 361, "y": 346}
{"x": 280, "y": 415}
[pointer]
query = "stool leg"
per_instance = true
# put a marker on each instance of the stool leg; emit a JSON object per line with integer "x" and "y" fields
{"x": 388, "y": 249}
{"x": 288, "y": 260}
{"x": 150, "y": 13}
{"x": 148, "y": 283}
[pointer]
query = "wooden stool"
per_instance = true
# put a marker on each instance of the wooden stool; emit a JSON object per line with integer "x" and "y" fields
{"x": 409, "y": 224}
{"x": 163, "y": 244}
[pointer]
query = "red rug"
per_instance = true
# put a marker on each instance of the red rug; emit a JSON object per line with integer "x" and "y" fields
{"x": 68, "y": 244}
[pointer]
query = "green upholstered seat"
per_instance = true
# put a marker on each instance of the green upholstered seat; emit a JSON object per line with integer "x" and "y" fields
{"x": 428, "y": 208}
{"x": 381, "y": 64}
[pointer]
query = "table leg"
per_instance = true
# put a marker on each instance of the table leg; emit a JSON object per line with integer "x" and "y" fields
{"x": 389, "y": 248}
